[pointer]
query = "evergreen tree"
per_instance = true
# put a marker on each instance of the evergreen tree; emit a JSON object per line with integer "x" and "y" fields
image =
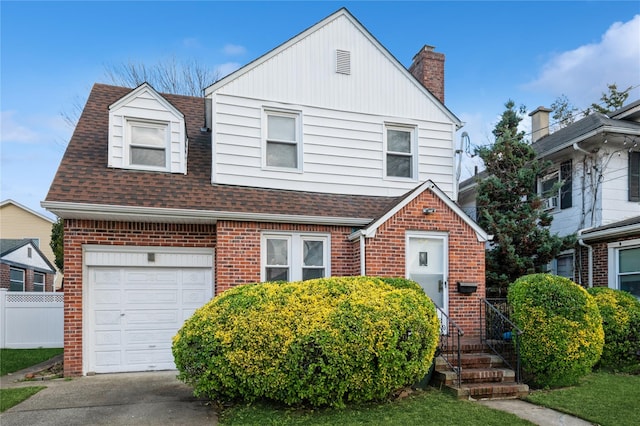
{"x": 510, "y": 209}
{"x": 57, "y": 243}
{"x": 611, "y": 101}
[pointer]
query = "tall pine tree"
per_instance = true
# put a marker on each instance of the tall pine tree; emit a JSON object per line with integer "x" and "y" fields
{"x": 510, "y": 208}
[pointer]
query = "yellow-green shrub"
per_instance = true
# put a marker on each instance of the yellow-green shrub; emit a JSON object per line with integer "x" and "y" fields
{"x": 320, "y": 342}
{"x": 621, "y": 322}
{"x": 562, "y": 329}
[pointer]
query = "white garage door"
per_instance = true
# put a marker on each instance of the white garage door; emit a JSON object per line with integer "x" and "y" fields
{"x": 134, "y": 311}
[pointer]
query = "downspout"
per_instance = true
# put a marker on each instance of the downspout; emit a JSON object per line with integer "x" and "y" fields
{"x": 363, "y": 263}
{"x": 589, "y": 258}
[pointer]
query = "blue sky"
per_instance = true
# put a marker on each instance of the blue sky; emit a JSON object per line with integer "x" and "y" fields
{"x": 531, "y": 52}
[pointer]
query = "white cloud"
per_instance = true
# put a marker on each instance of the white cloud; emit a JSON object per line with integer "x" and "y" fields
{"x": 583, "y": 74}
{"x": 233, "y": 50}
{"x": 13, "y": 131}
{"x": 227, "y": 68}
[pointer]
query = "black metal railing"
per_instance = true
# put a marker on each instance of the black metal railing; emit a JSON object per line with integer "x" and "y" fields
{"x": 500, "y": 334}
{"x": 449, "y": 346}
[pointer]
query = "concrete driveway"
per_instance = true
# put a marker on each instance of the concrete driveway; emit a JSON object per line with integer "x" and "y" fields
{"x": 152, "y": 398}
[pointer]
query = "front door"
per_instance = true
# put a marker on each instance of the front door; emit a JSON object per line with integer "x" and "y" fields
{"x": 427, "y": 264}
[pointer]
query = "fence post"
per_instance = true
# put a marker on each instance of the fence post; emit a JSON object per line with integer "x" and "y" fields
{"x": 3, "y": 316}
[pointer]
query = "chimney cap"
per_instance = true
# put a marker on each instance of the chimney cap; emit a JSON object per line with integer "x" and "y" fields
{"x": 425, "y": 48}
{"x": 540, "y": 109}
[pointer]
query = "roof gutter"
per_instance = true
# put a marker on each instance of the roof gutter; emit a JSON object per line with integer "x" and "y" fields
{"x": 67, "y": 210}
{"x": 603, "y": 129}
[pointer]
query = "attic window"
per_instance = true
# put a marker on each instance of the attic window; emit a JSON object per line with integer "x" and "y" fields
{"x": 343, "y": 62}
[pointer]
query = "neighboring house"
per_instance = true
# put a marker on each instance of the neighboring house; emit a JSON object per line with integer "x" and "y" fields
{"x": 596, "y": 164}
{"x": 20, "y": 222}
{"x": 23, "y": 267}
{"x": 323, "y": 157}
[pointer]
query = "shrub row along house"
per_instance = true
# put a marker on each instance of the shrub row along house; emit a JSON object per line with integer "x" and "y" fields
{"x": 323, "y": 157}
{"x": 597, "y": 161}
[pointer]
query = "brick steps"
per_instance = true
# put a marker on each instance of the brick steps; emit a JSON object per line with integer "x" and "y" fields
{"x": 484, "y": 375}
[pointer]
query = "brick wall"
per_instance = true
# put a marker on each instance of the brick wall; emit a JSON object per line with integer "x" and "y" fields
{"x": 386, "y": 254}
{"x": 238, "y": 251}
{"x": 600, "y": 262}
{"x": 80, "y": 232}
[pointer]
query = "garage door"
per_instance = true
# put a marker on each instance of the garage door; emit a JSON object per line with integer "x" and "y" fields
{"x": 134, "y": 311}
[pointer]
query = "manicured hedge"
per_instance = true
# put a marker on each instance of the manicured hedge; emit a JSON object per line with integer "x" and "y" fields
{"x": 621, "y": 321}
{"x": 563, "y": 335}
{"x": 320, "y": 342}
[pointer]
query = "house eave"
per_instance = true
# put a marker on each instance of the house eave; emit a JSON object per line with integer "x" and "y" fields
{"x": 622, "y": 231}
{"x": 67, "y": 210}
{"x": 588, "y": 135}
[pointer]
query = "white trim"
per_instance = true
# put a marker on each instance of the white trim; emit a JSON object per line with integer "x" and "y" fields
{"x": 612, "y": 259}
{"x": 412, "y": 129}
{"x": 370, "y": 231}
{"x": 296, "y": 115}
{"x": 146, "y": 87}
{"x": 128, "y": 143}
{"x": 214, "y": 149}
{"x": 165, "y": 215}
{"x": 340, "y": 13}
{"x": 295, "y": 260}
{"x": 612, "y": 232}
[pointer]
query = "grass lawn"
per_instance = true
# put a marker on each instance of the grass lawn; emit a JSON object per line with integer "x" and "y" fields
{"x": 430, "y": 407}
{"x": 11, "y": 397}
{"x": 603, "y": 398}
{"x": 12, "y": 360}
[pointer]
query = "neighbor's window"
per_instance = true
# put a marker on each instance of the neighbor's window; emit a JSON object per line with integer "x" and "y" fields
{"x": 564, "y": 266}
{"x": 400, "y": 152}
{"x": 282, "y": 139}
{"x": 38, "y": 281}
{"x": 629, "y": 270}
{"x": 558, "y": 196}
{"x": 16, "y": 279}
{"x": 148, "y": 144}
{"x": 294, "y": 256}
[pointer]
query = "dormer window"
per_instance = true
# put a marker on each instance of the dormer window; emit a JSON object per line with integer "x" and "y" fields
{"x": 147, "y": 132}
{"x": 147, "y": 144}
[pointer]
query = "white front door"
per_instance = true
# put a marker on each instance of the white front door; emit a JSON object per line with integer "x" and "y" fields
{"x": 427, "y": 264}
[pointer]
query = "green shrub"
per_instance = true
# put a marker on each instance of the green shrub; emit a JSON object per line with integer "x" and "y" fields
{"x": 621, "y": 322}
{"x": 321, "y": 342}
{"x": 562, "y": 329}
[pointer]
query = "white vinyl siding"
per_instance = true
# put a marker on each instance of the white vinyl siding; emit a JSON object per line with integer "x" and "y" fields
{"x": 294, "y": 256}
{"x": 342, "y": 152}
{"x": 343, "y": 118}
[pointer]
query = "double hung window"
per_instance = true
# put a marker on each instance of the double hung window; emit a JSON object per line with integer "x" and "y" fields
{"x": 147, "y": 144}
{"x": 16, "y": 279}
{"x": 400, "y": 152}
{"x": 294, "y": 256}
{"x": 282, "y": 144}
{"x": 38, "y": 281}
{"x": 556, "y": 187}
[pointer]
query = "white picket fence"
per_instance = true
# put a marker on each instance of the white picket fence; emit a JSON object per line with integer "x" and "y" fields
{"x": 31, "y": 320}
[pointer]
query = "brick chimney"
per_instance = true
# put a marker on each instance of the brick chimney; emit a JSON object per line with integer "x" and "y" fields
{"x": 428, "y": 68}
{"x": 539, "y": 123}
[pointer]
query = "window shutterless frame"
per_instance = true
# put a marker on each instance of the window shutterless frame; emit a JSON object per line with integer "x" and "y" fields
{"x": 147, "y": 144}
{"x": 38, "y": 281}
{"x": 400, "y": 152}
{"x": 282, "y": 140}
{"x": 16, "y": 279}
{"x": 293, "y": 256}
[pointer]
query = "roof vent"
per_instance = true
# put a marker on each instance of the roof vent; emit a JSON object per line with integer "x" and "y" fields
{"x": 343, "y": 62}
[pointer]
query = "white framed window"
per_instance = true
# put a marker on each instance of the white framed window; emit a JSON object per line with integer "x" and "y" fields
{"x": 283, "y": 140}
{"x": 624, "y": 266}
{"x": 16, "y": 279}
{"x": 38, "y": 281}
{"x": 147, "y": 144}
{"x": 400, "y": 151}
{"x": 295, "y": 256}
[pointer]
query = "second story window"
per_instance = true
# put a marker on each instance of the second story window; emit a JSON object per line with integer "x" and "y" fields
{"x": 400, "y": 152}
{"x": 148, "y": 144}
{"x": 557, "y": 188}
{"x": 283, "y": 140}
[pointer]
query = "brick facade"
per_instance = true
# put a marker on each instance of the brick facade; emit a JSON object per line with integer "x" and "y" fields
{"x": 238, "y": 261}
{"x": 386, "y": 254}
{"x": 600, "y": 253}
